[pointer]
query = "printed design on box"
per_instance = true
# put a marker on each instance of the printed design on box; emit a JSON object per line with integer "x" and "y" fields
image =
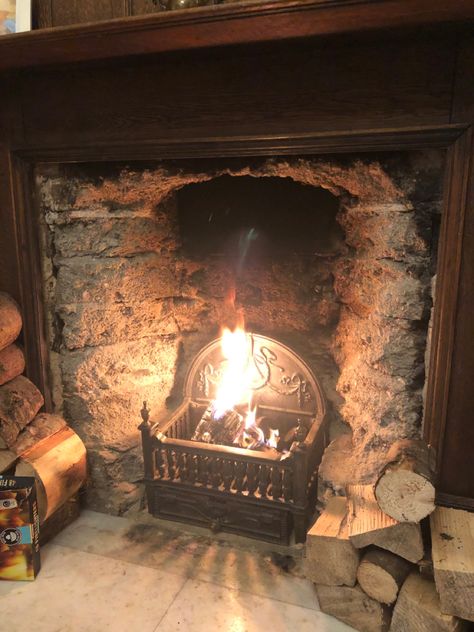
{"x": 19, "y": 539}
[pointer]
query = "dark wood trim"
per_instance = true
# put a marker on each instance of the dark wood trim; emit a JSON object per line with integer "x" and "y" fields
{"x": 31, "y": 281}
{"x": 447, "y": 288}
{"x": 222, "y": 25}
{"x": 310, "y": 143}
{"x": 458, "y": 502}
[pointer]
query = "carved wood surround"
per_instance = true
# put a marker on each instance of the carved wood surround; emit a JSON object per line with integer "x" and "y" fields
{"x": 314, "y": 77}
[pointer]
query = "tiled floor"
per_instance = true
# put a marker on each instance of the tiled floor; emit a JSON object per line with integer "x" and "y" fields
{"x": 107, "y": 573}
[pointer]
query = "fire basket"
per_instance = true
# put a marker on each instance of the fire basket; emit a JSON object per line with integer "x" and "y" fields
{"x": 262, "y": 493}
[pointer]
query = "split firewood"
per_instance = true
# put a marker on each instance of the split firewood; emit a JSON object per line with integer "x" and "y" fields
{"x": 418, "y": 609}
{"x": 43, "y": 426}
{"x": 12, "y": 363}
{"x": 352, "y": 606}
{"x": 368, "y": 525}
{"x": 381, "y": 574}
{"x": 330, "y": 557}
{"x": 59, "y": 465}
{"x": 452, "y": 535}
{"x": 404, "y": 490}
{"x": 10, "y": 320}
{"x": 20, "y": 402}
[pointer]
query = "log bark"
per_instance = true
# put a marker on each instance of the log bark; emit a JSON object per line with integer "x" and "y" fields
{"x": 20, "y": 402}
{"x": 12, "y": 363}
{"x": 352, "y": 606}
{"x": 381, "y": 575}
{"x": 42, "y": 427}
{"x": 404, "y": 490}
{"x": 10, "y": 320}
{"x": 418, "y": 609}
{"x": 7, "y": 460}
{"x": 452, "y": 535}
{"x": 368, "y": 525}
{"x": 59, "y": 465}
{"x": 330, "y": 557}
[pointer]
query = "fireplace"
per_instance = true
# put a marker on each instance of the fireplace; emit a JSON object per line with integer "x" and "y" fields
{"x": 330, "y": 259}
{"x": 261, "y": 491}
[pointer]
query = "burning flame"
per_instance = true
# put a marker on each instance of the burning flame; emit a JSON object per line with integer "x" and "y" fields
{"x": 272, "y": 440}
{"x": 234, "y": 386}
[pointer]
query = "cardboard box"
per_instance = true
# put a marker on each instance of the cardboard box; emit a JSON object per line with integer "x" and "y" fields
{"x": 19, "y": 529}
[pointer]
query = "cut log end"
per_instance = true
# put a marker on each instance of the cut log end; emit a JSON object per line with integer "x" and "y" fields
{"x": 10, "y": 320}
{"x": 405, "y": 495}
{"x": 12, "y": 363}
{"x": 381, "y": 574}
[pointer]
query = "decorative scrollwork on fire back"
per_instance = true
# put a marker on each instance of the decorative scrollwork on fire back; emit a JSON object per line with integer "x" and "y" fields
{"x": 267, "y": 372}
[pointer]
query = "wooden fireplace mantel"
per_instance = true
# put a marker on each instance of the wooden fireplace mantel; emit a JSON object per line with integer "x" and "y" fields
{"x": 384, "y": 75}
{"x": 239, "y": 23}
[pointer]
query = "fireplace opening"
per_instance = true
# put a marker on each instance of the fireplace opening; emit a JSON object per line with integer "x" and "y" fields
{"x": 256, "y": 218}
{"x": 143, "y": 267}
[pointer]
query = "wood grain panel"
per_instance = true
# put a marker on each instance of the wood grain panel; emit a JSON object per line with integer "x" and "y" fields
{"x": 239, "y": 23}
{"x": 68, "y": 12}
{"x": 265, "y": 90}
{"x": 143, "y": 7}
{"x": 42, "y": 14}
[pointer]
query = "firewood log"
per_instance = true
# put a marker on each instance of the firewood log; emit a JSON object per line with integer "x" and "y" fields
{"x": 352, "y": 606}
{"x": 12, "y": 363}
{"x": 330, "y": 557}
{"x": 404, "y": 490}
{"x": 20, "y": 401}
{"x": 369, "y": 525}
{"x": 7, "y": 459}
{"x": 10, "y": 320}
{"x": 418, "y": 609}
{"x": 452, "y": 535}
{"x": 59, "y": 465}
{"x": 381, "y": 574}
{"x": 43, "y": 426}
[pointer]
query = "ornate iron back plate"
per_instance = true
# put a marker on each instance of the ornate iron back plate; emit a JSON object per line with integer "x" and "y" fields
{"x": 281, "y": 380}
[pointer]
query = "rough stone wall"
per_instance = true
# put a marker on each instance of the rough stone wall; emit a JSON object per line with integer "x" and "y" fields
{"x": 381, "y": 339}
{"x": 128, "y": 310}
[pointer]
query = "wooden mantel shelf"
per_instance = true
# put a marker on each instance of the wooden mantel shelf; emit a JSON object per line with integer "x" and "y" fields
{"x": 243, "y": 22}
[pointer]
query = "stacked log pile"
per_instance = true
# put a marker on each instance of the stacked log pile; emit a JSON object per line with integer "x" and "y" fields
{"x": 366, "y": 556}
{"x": 33, "y": 443}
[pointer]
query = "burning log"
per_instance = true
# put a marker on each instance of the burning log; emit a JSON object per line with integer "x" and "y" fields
{"x": 12, "y": 363}
{"x": 223, "y": 431}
